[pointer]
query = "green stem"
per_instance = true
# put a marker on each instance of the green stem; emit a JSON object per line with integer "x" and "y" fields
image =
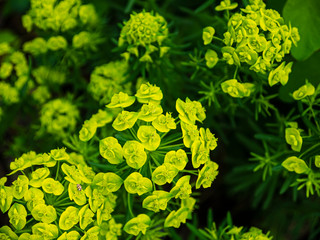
{"x": 156, "y": 162}
{"x": 66, "y": 204}
{"x": 129, "y": 205}
{"x": 311, "y": 148}
{"x": 168, "y": 142}
{"x": 61, "y": 201}
{"x": 235, "y": 73}
{"x": 150, "y": 169}
{"x": 216, "y": 38}
{"x": 172, "y": 146}
{"x": 190, "y": 171}
{"x": 57, "y": 173}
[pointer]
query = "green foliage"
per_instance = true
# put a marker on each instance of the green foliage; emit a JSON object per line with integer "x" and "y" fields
{"x": 301, "y": 15}
{"x": 107, "y": 110}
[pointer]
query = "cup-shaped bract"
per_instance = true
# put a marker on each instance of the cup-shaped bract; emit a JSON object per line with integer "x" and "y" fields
{"x": 136, "y": 183}
{"x": 149, "y": 137}
{"x": 69, "y": 218}
{"x": 134, "y": 154}
{"x": 138, "y": 224}
{"x": 111, "y": 150}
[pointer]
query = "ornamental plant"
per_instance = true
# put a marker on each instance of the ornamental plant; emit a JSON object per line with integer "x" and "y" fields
{"x": 149, "y": 154}
{"x": 110, "y": 113}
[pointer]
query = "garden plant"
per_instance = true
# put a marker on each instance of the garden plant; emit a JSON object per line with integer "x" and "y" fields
{"x": 171, "y": 119}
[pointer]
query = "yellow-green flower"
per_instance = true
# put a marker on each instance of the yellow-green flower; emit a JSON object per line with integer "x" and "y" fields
{"x": 69, "y": 218}
{"x": 211, "y": 58}
{"x": 18, "y": 216}
{"x": 280, "y": 74}
{"x": 136, "y": 183}
{"x": 92, "y": 233}
{"x": 34, "y": 197}
{"x": 102, "y": 117}
{"x": 79, "y": 197}
{"x": 178, "y": 159}
{"x": 111, "y": 150}
{"x": 56, "y": 43}
{"x": 294, "y": 164}
{"x": 20, "y": 186}
{"x": 207, "y": 175}
{"x": 236, "y": 89}
{"x": 207, "y": 35}
{"x": 85, "y": 216}
{"x": 200, "y": 154}
{"x": 6, "y": 196}
{"x": 157, "y": 201}
{"x": 148, "y": 93}
{"x": 72, "y": 173}
{"x": 182, "y": 189}
{"x": 7, "y": 234}
{"x": 107, "y": 182}
{"x": 138, "y": 224}
{"x": 134, "y": 154}
{"x": 226, "y": 5}
{"x": 293, "y": 138}
{"x": 45, "y": 231}
{"x": 208, "y": 138}
{"x": 73, "y": 235}
{"x": 44, "y": 213}
{"x": 5, "y": 70}
{"x": 149, "y": 137}
{"x": 163, "y": 174}
{"x": 49, "y": 185}
{"x": 150, "y": 112}
{"x": 88, "y": 130}
{"x": 304, "y": 91}
{"x": 190, "y": 111}
{"x": 144, "y": 28}
{"x": 125, "y": 120}
{"x": 190, "y": 133}
{"x": 59, "y": 154}
{"x": 121, "y": 100}
{"x": 164, "y": 123}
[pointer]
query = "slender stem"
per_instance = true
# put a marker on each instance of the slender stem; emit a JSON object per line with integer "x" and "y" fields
{"x": 57, "y": 173}
{"x": 61, "y": 201}
{"x": 311, "y": 148}
{"x": 129, "y": 205}
{"x": 133, "y": 134}
{"x": 172, "y": 146}
{"x": 217, "y": 38}
{"x": 168, "y": 142}
{"x": 235, "y": 73}
{"x": 190, "y": 171}
{"x": 150, "y": 169}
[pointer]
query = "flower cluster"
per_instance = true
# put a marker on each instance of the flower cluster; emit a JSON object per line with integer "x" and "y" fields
{"x": 108, "y": 79}
{"x": 298, "y": 164}
{"x": 59, "y": 117}
{"x": 150, "y": 161}
{"x": 59, "y": 16}
{"x": 147, "y": 30}
{"x": 14, "y": 73}
{"x": 59, "y": 197}
{"x": 256, "y": 37}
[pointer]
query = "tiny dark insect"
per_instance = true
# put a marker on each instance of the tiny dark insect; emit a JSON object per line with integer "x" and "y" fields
{"x": 79, "y": 187}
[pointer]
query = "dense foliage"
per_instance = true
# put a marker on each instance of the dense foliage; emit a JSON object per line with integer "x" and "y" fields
{"x": 159, "y": 119}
